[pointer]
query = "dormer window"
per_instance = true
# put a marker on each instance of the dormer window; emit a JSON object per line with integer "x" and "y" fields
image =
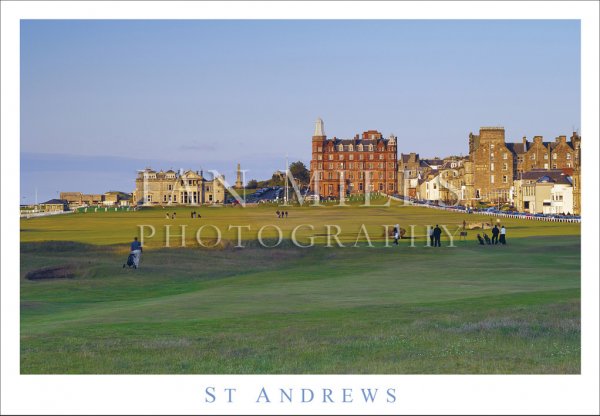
{"x": 370, "y": 148}
{"x": 351, "y": 148}
{"x": 360, "y": 147}
{"x": 341, "y": 147}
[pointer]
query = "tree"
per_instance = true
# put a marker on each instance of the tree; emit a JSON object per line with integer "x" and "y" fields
{"x": 276, "y": 180}
{"x": 300, "y": 172}
{"x": 252, "y": 184}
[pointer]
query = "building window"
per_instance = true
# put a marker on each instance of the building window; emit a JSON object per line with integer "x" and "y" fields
{"x": 491, "y": 178}
{"x": 370, "y": 148}
{"x": 554, "y": 155}
{"x": 504, "y": 156}
{"x": 533, "y": 156}
{"x": 545, "y": 166}
{"x": 505, "y": 166}
{"x": 330, "y": 157}
{"x": 341, "y": 157}
{"x": 330, "y": 188}
{"x": 371, "y": 157}
{"x": 330, "y": 175}
{"x": 360, "y": 157}
{"x": 169, "y": 187}
{"x": 360, "y": 186}
{"x": 351, "y": 148}
{"x": 568, "y": 164}
{"x": 545, "y": 156}
{"x": 554, "y": 166}
{"x": 331, "y": 166}
{"x": 568, "y": 156}
{"x": 492, "y": 167}
{"x": 381, "y": 157}
{"x": 164, "y": 198}
{"x": 351, "y": 157}
{"x": 319, "y": 157}
{"x": 505, "y": 179}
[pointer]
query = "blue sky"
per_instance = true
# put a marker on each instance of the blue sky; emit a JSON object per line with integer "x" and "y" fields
{"x": 101, "y": 99}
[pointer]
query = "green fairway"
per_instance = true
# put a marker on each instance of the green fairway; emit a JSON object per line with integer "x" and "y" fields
{"x": 107, "y": 228}
{"x": 466, "y": 309}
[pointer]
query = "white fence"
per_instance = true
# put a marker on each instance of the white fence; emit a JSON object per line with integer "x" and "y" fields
{"x": 491, "y": 214}
{"x": 29, "y": 214}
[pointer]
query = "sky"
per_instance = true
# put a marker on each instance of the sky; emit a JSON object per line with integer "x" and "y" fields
{"x": 101, "y": 99}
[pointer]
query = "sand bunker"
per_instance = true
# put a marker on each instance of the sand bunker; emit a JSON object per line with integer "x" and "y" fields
{"x": 55, "y": 272}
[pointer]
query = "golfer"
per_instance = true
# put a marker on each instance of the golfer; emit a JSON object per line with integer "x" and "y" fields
{"x": 136, "y": 250}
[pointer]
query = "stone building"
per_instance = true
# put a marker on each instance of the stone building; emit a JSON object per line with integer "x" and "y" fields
{"x": 352, "y": 166}
{"x": 76, "y": 199}
{"x": 54, "y": 205}
{"x": 408, "y": 174}
{"x": 559, "y": 154}
{"x": 177, "y": 188}
{"x": 496, "y": 164}
{"x": 493, "y": 165}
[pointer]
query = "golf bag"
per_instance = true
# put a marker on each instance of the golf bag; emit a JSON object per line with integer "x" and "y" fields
{"x": 130, "y": 261}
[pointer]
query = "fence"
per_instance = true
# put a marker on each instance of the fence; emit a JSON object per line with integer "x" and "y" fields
{"x": 29, "y": 214}
{"x": 492, "y": 214}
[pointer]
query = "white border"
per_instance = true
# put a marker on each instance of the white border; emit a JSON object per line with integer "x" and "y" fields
{"x": 184, "y": 394}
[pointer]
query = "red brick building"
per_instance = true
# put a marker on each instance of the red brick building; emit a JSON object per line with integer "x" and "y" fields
{"x": 352, "y": 166}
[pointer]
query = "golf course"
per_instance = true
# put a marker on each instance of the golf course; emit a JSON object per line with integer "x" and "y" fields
{"x": 218, "y": 301}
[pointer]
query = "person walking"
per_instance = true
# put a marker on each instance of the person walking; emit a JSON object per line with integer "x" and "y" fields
{"x": 278, "y": 214}
{"x": 503, "y": 235}
{"x": 286, "y": 214}
{"x": 437, "y": 235}
{"x": 396, "y": 235}
{"x": 495, "y": 232}
{"x": 136, "y": 250}
{"x": 431, "y": 237}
